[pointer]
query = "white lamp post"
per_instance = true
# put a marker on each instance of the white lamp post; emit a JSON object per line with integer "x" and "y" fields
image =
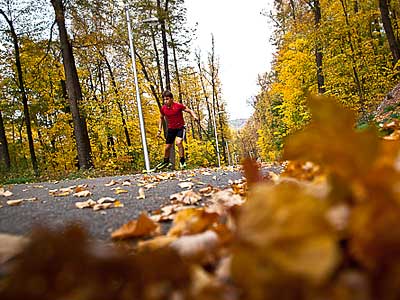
{"x": 216, "y": 135}
{"x": 139, "y": 104}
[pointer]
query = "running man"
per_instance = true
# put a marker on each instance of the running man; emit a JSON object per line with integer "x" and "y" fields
{"x": 172, "y": 111}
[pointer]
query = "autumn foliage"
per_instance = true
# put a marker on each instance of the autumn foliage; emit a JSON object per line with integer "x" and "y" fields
{"x": 328, "y": 227}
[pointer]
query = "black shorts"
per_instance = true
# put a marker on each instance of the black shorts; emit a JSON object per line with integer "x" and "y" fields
{"x": 172, "y": 133}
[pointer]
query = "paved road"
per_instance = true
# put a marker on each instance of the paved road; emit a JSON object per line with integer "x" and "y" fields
{"x": 53, "y": 211}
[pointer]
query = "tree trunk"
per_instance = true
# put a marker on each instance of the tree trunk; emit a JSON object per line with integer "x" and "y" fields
{"x": 73, "y": 90}
{"x": 21, "y": 86}
{"x": 178, "y": 79}
{"x": 160, "y": 78}
{"x": 357, "y": 81}
{"x": 203, "y": 88}
{"x": 4, "y": 154}
{"x": 387, "y": 25}
{"x": 161, "y": 17}
{"x": 318, "y": 49}
{"x": 215, "y": 98}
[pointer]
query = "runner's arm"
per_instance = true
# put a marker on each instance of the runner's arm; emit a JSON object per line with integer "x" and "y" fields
{"x": 160, "y": 121}
{"x": 192, "y": 113}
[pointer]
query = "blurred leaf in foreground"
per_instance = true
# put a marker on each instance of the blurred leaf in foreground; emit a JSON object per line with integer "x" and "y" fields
{"x": 285, "y": 244}
{"x": 331, "y": 141}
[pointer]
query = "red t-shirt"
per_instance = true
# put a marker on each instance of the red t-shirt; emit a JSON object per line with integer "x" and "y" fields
{"x": 174, "y": 115}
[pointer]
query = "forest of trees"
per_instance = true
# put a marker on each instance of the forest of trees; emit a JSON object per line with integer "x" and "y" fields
{"x": 67, "y": 94}
{"x": 347, "y": 49}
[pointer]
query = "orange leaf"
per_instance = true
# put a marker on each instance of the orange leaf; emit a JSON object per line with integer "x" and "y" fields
{"x": 143, "y": 226}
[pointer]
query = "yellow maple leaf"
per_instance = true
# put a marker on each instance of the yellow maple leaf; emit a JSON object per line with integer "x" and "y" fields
{"x": 143, "y": 226}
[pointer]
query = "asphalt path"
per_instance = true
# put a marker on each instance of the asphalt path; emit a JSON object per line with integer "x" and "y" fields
{"x": 56, "y": 211}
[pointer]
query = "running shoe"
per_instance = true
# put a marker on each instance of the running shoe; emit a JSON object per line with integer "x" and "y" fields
{"x": 162, "y": 165}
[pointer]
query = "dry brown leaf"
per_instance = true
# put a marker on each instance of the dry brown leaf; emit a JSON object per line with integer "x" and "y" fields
{"x": 5, "y": 193}
{"x": 102, "y": 206}
{"x": 196, "y": 247}
{"x": 150, "y": 185}
{"x": 394, "y": 136}
{"x": 202, "y": 282}
{"x": 111, "y": 183}
{"x": 156, "y": 243}
{"x": 141, "y": 227}
{"x": 283, "y": 234}
{"x": 192, "y": 221}
{"x": 206, "y": 190}
{"x": 105, "y": 199}
{"x": 80, "y": 188}
{"x": 226, "y": 199}
{"x": 14, "y": 202}
{"x": 186, "y": 185}
{"x": 82, "y": 193}
{"x": 340, "y": 149}
{"x": 251, "y": 171}
{"x": 33, "y": 199}
{"x": 126, "y": 183}
{"x": 10, "y": 246}
{"x": 120, "y": 191}
{"x": 186, "y": 197}
{"x": 141, "y": 194}
{"x": 165, "y": 213}
{"x": 61, "y": 194}
{"x": 85, "y": 204}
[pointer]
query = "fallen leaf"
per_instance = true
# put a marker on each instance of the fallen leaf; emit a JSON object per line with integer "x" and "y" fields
{"x": 79, "y": 189}
{"x": 141, "y": 227}
{"x": 206, "y": 190}
{"x": 120, "y": 191}
{"x": 186, "y": 185}
{"x": 197, "y": 246}
{"x": 85, "y": 204}
{"x": 186, "y": 197}
{"x": 62, "y": 194}
{"x": 141, "y": 194}
{"x": 83, "y": 193}
{"x": 156, "y": 243}
{"x": 102, "y": 206}
{"x": 150, "y": 185}
{"x": 10, "y": 246}
{"x": 192, "y": 221}
{"x": 394, "y": 136}
{"x": 33, "y": 199}
{"x": 118, "y": 204}
{"x": 5, "y": 193}
{"x": 111, "y": 183}
{"x": 105, "y": 199}
{"x": 251, "y": 171}
{"x": 126, "y": 183}
{"x": 15, "y": 202}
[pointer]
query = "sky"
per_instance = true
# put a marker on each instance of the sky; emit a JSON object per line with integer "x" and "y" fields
{"x": 241, "y": 36}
